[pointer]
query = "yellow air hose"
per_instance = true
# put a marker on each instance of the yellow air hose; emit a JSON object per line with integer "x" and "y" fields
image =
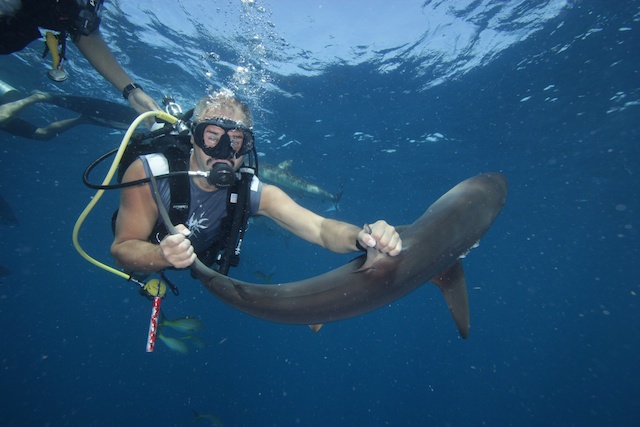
{"x": 112, "y": 171}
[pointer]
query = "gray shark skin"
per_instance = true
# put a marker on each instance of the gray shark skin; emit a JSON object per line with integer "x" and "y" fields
{"x": 282, "y": 177}
{"x": 433, "y": 247}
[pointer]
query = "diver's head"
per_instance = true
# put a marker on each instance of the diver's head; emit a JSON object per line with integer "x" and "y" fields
{"x": 222, "y": 104}
{"x": 88, "y": 18}
{"x": 221, "y": 135}
{"x": 222, "y": 138}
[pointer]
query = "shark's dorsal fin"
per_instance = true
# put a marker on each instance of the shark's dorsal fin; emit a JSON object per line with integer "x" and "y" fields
{"x": 285, "y": 165}
{"x": 453, "y": 285}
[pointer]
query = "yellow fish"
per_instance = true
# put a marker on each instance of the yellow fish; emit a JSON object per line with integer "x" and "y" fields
{"x": 188, "y": 325}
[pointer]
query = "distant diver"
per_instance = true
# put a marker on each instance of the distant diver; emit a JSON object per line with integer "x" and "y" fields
{"x": 24, "y": 21}
{"x": 92, "y": 111}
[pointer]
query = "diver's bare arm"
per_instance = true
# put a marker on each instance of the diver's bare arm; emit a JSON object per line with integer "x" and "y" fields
{"x": 94, "y": 48}
{"x": 99, "y": 55}
{"x": 336, "y": 236}
{"x": 175, "y": 250}
{"x": 136, "y": 219}
{"x": 139, "y": 256}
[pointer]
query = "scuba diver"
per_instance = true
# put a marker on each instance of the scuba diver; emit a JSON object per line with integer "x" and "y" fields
{"x": 20, "y": 23}
{"x": 213, "y": 204}
{"x": 92, "y": 111}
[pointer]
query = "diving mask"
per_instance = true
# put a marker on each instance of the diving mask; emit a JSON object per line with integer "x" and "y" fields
{"x": 221, "y": 145}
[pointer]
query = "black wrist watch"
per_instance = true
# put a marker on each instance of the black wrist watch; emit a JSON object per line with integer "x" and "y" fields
{"x": 130, "y": 88}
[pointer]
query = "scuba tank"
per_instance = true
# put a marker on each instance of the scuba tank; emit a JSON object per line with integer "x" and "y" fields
{"x": 8, "y": 93}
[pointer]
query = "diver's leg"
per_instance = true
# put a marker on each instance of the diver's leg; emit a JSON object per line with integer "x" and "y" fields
{"x": 24, "y": 129}
{"x": 9, "y": 110}
{"x": 54, "y": 129}
{"x": 19, "y": 127}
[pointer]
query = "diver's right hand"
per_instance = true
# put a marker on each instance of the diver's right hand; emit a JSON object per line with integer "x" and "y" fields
{"x": 177, "y": 249}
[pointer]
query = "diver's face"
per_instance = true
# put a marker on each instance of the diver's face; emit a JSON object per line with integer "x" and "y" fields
{"x": 205, "y": 162}
{"x": 212, "y": 135}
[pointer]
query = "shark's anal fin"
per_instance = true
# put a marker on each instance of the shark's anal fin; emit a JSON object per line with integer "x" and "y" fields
{"x": 316, "y": 328}
{"x": 453, "y": 285}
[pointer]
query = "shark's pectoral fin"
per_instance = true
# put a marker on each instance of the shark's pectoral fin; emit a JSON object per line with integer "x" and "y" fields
{"x": 370, "y": 263}
{"x": 316, "y": 328}
{"x": 453, "y": 285}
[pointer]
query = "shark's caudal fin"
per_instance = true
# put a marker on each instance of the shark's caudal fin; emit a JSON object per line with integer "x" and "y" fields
{"x": 453, "y": 285}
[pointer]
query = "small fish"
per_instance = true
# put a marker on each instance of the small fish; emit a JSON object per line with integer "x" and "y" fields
{"x": 185, "y": 324}
{"x": 210, "y": 418}
{"x": 265, "y": 277}
{"x": 197, "y": 341}
{"x": 4, "y": 271}
{"x": 7, "y": 217}
{"x": 173, "y": 343}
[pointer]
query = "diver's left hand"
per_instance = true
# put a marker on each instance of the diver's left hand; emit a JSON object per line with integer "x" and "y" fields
{"x": 381, "y": 236}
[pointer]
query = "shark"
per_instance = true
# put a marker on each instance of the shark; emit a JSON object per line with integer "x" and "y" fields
{"x": 281, "y": 176}
{"x": 433, "y": 249}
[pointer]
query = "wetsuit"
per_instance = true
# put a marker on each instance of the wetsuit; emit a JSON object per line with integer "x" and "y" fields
{"x": 21, "y": 28}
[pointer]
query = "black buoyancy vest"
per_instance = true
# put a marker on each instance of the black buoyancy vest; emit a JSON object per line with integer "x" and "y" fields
{"x": 21, "y": 29}
{"x": 176, "y": 149}
{"x": 225, "y": 250}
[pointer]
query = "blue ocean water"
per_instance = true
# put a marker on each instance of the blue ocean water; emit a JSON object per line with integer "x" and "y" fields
{"x": 553, "y": 286}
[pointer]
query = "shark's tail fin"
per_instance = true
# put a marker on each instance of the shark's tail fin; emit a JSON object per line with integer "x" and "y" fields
{"x": 453, "y": 285}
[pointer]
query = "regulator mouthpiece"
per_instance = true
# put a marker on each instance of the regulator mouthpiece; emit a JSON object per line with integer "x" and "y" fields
{"x": 221, "y": 175}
